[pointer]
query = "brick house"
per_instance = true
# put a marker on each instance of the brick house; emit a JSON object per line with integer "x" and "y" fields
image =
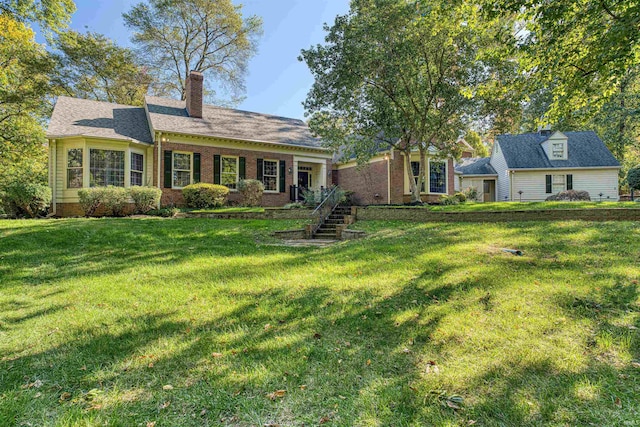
{"x": 171, "y": 144}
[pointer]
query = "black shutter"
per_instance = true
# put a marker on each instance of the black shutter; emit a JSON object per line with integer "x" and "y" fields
{"x": 196, "y": 168}
{"x": 569, "y": 182}
{"x": 168, "y": 157}
{"x": 549, "y": 188}
{"x": 283, "y": 176}
{"x": 216, "y": 169}
{"x": 260, "y": 175}
{"x": 242, "y": 166}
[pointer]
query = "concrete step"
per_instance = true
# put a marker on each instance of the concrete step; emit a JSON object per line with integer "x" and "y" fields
{"x": 325, "y": 236}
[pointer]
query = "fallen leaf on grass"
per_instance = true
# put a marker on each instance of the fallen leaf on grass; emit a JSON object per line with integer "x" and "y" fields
{"x": 303, "y": 387}
{"x": 324, "y": 420}
{"x": 65, "y": 396}
{"x": 165, "y": 405}
{"x": 167, "y": 387}
{"x": 635, "y": 364}
{"x": 151, "y": 424}
{"x": 317, "y": 336}
{"x": 216, "y": 355}
{"x": 368, "y": 362}
{"x": 276, "y": 394}
{"x": 267, "y": 327}
{"x": 618, "y": 403}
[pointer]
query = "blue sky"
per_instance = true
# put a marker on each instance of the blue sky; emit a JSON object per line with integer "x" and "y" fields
{"x": 277, "y": 83}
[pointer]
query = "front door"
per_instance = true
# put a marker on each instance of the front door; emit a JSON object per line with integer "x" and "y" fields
{"x": 489, "y": 190}
{"x": 304, "y": 180}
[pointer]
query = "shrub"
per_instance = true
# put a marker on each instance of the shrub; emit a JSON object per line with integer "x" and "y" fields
{"x": 90, "y": 199}
{"x": 115, "y": 200}
{"x": 449, "y": 200}
{"x": 205, "y": 195}
{"x": 145, "y": 198}
{"x": 309, "y": 198}
{"x": 461, "y": 197}
{"x": 251, "y": 190}
{"x": 27, "y": 198}
{"x": 569, "y": 195}
{"x": 164, "y": 212}
{"x": 633, "y": 178}
{"x": 471, "y": 193}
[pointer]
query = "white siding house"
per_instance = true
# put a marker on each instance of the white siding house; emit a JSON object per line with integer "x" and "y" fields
{"x": 534, "y": 166}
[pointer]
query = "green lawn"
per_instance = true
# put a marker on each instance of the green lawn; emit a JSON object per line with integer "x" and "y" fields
{"x": 517, "y": 206}
{"x": 196, "y": 322}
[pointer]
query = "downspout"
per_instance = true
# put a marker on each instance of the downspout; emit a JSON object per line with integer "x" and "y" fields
{"x": 159, "y": 143}
{"x": 511, "y": 186}
{"x": 388, "y": 179}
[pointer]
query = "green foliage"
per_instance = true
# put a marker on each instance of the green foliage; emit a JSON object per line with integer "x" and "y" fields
{"x": 145, "y": 198}
{"x": 27, "y": 198}
{"x": 462, "y": 197}
{"x": 251, "y": 191}
{"x": 204, "y": 195}
{"x": 164, "y": 212}
{"x": 471, "y": 193}
{"x": 570, "y": 196}
{"x": 402, "y": 74}
{"x": 90, "y": 199}
{"x": 49, "y": 14}
{"x": 309, "y": 197}
{"x": 447, "y": 200}
{"x": 210, "y": 36}
{"x": 633, "y": 178}
{"x": 474, "y": 140}
{"x": 92, "y": 66}
{"x": 115, "y": 200}
{"x": 295, "y": 205}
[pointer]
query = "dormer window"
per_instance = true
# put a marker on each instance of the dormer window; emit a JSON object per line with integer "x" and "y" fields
{"x": 557, "y": 150}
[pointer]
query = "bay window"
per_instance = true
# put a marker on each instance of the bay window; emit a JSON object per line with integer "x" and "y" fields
{"x": 74, "y": 168}
{"x": 106, "y": 167}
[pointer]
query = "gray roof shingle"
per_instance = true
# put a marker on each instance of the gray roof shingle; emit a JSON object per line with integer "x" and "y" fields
{"x": 171, "y": 116}
{"x": 585, "y": 150}
{"x": 475, "y": 166}
{"x": 74, "y": 116}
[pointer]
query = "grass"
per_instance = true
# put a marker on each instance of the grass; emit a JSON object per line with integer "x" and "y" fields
{"x": 518, "y": 206}
{"x": 196, "y": 322}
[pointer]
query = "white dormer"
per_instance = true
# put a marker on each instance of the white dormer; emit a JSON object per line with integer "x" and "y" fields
{"x": 556, "y": 147}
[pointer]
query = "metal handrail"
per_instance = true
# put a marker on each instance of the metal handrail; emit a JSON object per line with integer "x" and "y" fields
{"x": 324, "y": 200}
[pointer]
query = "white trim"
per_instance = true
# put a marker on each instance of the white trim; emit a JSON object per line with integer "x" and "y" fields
{"x": 173, "y": 169}
{"x": 277, "y": 162}
{"x": 564, "y": 168}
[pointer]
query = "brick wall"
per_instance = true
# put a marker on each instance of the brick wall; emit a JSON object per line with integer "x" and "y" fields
{"x": 365, "y": 182}
{"x": 424, "y": 215}
{"x": 171, "y": 196}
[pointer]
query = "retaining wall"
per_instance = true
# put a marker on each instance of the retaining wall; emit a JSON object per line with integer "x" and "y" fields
{"x": 425, "y": 215}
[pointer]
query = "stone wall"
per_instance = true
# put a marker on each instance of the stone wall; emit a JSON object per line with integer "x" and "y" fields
{"x": 425, "y": 215}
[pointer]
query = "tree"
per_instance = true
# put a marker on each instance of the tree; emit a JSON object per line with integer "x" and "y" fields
{"x": 633, "y": 179}
{"x": 50, "y": 14}
{"x": 92, "y": 66}
{"x": 474, "y": 139}
{"x": 401, "y": 75}
{"x": 24, "y": 84}
{"x": 210, "y": 36}
{"x": 581, "y": 49}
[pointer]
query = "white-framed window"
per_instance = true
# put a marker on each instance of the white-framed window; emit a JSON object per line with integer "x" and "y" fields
{"x": 74, "y": 168}
{"x": 106, "y": 167}
{"x": 558, "y": 183}
{"x": 557, "y": 150}
{"x": 437, "y": 177}
{"x": 137, "y": 168}
{"x": 270, "y": 175}
{"x": 182, "y": 168}
{"x": 229, "y": 171}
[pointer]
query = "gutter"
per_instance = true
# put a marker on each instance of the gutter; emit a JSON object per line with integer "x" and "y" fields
{"x": 564, "y": 168}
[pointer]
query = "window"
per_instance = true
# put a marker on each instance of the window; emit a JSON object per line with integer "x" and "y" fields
{"x": 74, "y": 168}
{"x": 229, "y": 172}
{"x": 415, "y": 171}
{"x": 558, "y": 183}
{"x": 557, "y": 150}
{"x": 270, "y": 175}
{"x": 181, "y": 170}
{"x": 106, "y": 167}
{"x": 437, "y": 177}
{"x": 137, "y": 168}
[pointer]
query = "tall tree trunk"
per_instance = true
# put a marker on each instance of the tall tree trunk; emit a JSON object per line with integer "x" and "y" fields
{"x": 414, "y": 189}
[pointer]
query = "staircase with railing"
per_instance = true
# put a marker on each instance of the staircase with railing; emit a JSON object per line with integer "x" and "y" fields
{"x": 329, "y": 216}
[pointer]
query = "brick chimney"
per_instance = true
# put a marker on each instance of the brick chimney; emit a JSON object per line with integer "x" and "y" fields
{"x": 194, "y": 91}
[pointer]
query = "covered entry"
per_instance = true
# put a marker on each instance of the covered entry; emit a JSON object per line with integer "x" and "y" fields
{"x": 309, "y": 174}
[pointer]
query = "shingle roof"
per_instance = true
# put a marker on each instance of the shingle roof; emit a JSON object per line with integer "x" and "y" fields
{"x": 171, "y": 116}
{"x": 73, "y": 117}
{"x": 476, "y": 166}
{"x": 585, "y": 150}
